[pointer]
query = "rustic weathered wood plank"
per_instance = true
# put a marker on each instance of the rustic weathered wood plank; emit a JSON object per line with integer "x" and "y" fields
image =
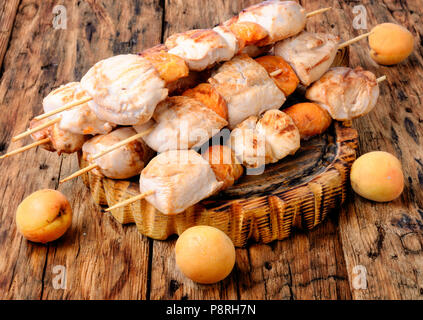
{"x": 22, "y": 263}
{"x": 104, "y": 260}
{"x": 387, "y": 238}
{"x": 309, "y": 265}
{"x": 7, "y": 17}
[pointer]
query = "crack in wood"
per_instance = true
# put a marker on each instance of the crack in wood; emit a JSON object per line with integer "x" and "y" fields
{"x": 44, "y": 273}
{"x": 378, "y": 244}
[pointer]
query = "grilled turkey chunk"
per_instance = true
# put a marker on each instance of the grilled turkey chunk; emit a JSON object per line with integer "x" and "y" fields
{"x": 202, "y": 48}
{"x": 125, "y": 89}
{"x": 79, "y": 119}
{"x": 247, "y": 89}
{"x": 345, "y": 93}
{"x": 179, "y": 179}
{"x": 181, "y": 122}
{"x": 267, "y": 140}
{"x": 281, "y": 19}
{"x": 309, "y": 54}
{"x": 122, "y": 163}
{"x": 61, "y": 141}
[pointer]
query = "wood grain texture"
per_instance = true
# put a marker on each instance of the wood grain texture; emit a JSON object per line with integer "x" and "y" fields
{"x": 107, "y": 260}
{"x": 387, "y": 238}
{"x": 7, "y": 18}
{"x": 101, "y": 256}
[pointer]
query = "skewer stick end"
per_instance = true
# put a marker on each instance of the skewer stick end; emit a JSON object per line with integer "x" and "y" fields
{"x": 63, "y": 108}
{"x": 38, "y": 128}
{"x": 130, "y": 200}
{"x": 275, "y": 73}
{"x": 353, "y": 40}
{"x": 24, "y": 148}
{"x": 310, "y": 14}
{"x": 79, "y": 172}
{"x": 380, "y": 79}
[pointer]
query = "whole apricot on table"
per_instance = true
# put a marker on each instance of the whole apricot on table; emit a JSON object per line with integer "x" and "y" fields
{"x": 390, "y": 43}
{"x": 377, "y": 176}
{"x": 44, "y": 216}
{"x": 205, "y": 254}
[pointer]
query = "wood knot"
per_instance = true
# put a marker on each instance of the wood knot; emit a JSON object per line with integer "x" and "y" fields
{"x": 29, "y": 10}
{"x": 378, "y": 245}
{"x": 43, "y": 166}
{"x": 173, "y": 286}
{"x": 412, "y": 243}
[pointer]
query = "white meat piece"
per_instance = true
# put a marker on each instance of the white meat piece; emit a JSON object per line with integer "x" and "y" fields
{"x": 181, "y": 122}
{"x": 281, "y": 135}
{"x": 125, "y": 88}
{"x": 179, "y": 179}
{"x": 80, "y": 119}
{"x": 202, "y": 48}
{"x": 41, "y": 134}
{"x": 65, "y": 141}
{"x": 247, "y": 89}
{"x": 281, "y": 19}
{"x": 122, "y": 163}
{"x": 345, "y": 93}
{"x": 61, "y": 141}
{"x": 309, "y": 54}
{"x": 65, "y": 94}
{"x": 249, "y": 147}
{"x": 256, "y": 142}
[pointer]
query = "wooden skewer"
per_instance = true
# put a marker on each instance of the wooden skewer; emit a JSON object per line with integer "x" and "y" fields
{"x": 24, "y": 148}
{"x": 380, "y": 79}
{"x": 80, "y": 172}
{"x": 310, "y": 14}
{"x": 347, "y": 43}
{"x": 275, "y": 73}
{"x": 35, "y": 129}
{"x": 342, "y": 45}
{"x": 130, "y": 200}
{"x": 102, "y": 153}
{"x": 84, "y": 100}
{"x": 122, "y": 143}
{"x": 65, "y": 107}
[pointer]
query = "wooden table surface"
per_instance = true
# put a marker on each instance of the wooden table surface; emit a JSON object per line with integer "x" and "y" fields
{"x": 106, "y": 260}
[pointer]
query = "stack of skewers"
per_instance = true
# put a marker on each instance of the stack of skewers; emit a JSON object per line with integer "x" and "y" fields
{"x": 149, "y": 114}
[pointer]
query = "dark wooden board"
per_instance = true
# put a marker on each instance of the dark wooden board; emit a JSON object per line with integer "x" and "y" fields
{"x": 107, "y": 260}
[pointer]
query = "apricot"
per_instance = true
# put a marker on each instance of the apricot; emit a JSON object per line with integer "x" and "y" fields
{"x": 377, "y": 176}
{"x": 44, "y": 216}
{"x": 287, "y": 81}
{"x": 390, "y": 43}
{"x": 208, "y": 96}
{"x": 310, "y": 118}
{"x": 205, "y": 254}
